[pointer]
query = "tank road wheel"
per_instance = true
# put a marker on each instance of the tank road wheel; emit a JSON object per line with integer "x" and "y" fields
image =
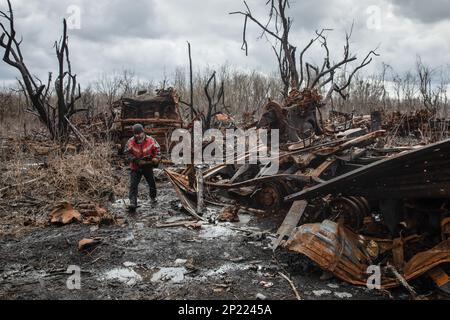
{"x": 352, "y": 210}
{"x": 270, "y": 196}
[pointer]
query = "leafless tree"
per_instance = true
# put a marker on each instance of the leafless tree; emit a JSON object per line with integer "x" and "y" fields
{"x": 247, "y": 92}
{"x": 432, "y": 95}
{"x": 115, "y": 85}
{"x": 66, "y": 86}
{"x": 191, "y": 84}
{"x": 215, "y": 95}
{"x": 55, "y": 118}
{"x": 304, "y": 75}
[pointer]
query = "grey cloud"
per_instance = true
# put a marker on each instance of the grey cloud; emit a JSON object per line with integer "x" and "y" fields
{"x": 149, "y": 36}
{"x": 109, "y": 20}
{"x": 429, "y": 11}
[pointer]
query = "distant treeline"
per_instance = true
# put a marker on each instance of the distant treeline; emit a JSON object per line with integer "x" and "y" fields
{"x": 247, "y": 92}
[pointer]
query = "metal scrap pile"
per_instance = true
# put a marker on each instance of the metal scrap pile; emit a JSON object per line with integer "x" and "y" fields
{"x": 159, "y": 115}
{"x": 352, "y": 204}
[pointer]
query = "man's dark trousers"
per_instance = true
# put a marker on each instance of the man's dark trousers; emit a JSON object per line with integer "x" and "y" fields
{"x": 135, "y": 179}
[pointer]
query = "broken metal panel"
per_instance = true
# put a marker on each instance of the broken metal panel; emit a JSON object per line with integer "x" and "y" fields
{"x": 333, "y": 249}
{"x": 348, "y": 255}
{"x": 441, "y": 279}
{"x": 185, "y": 194}
{"x": 265, "y": 179}
{"x": 213, "y": 171}
{"x": 356, "y": 142}
{"x": 290, "y": 222}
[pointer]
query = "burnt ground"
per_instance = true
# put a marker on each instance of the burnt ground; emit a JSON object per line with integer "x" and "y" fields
{"x": 137, "y": 260}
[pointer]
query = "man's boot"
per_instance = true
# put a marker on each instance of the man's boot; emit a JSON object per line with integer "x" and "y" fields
{"x": 133, "y": 205}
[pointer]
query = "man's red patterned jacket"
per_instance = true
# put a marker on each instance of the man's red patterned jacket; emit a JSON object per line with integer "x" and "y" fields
{"x": 149, "y": 148}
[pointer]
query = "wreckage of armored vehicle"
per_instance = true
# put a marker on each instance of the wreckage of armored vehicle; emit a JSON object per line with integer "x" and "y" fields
{"x": 159, "y": 115}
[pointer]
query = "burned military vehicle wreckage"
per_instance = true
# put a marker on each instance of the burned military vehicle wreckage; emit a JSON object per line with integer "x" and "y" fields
{"x": 159, "y": 115}
{"x": 352, "y": 199}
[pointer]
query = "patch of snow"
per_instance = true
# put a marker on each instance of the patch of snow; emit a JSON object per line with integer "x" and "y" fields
{"x": 129, "y": 264}
{"x": 333, "y": 286}
{"x": 319, "y": 293}
{"x": 174, "y": 275}
{"x": 343, "y": 295}
{"x": 180, "y": 262}
{"x": 215, "y": 231}
{"x": 124, "y": 275}
{"x": 226, "y": 268}
{"x": 120, "y": 204}
{"x": 244, "y": 218}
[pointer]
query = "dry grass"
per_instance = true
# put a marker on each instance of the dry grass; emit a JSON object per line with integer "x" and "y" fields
{"x": 86, "y": 176}
{"x": 31, "y": 185}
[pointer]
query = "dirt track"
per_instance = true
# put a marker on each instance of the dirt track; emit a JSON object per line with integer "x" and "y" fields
{"x": 139, "y": 261}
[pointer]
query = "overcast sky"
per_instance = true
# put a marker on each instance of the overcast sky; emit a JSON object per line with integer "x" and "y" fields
{"x": 149, "y": 36}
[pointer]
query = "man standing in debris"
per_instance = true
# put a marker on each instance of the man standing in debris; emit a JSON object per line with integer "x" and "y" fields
{"x": 143, "y": 152}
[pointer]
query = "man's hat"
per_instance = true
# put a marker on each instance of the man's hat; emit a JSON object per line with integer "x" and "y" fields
{"x": 138, "y": 128}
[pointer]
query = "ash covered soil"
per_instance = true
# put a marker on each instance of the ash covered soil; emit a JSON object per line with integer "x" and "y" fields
{"x": 138, "y": 260}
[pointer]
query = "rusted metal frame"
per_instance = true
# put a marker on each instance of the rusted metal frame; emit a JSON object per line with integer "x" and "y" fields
{"x": 182, "y": 189}
{"x": 290, "y": 221}
{"x": 313, "y": 148}
{"x": 371, "y": 169}
{"x": 295, "y": 146}
{"x": 362, "y": 139}
{"x": 180, "y": 180}
{"x": 213, "y": 171}
{"x": 359, "y": 141}
{"x": 353, "y": 155}
{"x": 189, "y": 205}
{"x": 200, "y": 192}
{"x": 324, "y": 166}
{"x": 296, "y": 177}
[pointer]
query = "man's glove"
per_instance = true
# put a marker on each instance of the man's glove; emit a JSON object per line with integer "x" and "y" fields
{"x": 142, "y": 162}
{"x": 154, "y": 161}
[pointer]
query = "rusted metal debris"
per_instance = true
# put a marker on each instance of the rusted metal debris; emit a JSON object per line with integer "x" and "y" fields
{"x": 89, "y": 244}
{"x": 159, "y": 115}
{"x": 229, "y": 214}
{"x": 409, "y": 192}
{"x": 290, "y": 222}
{"x": 64, "y": 213}
{"x": 348, "y": 256}
{"x": 352, "y": 198}
{"x": 298, "y": 169}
